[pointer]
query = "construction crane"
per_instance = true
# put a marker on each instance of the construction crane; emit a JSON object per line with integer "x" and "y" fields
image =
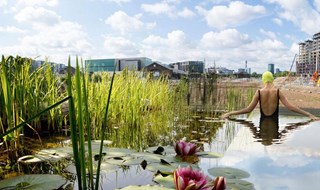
{"x": 289, "y": 73}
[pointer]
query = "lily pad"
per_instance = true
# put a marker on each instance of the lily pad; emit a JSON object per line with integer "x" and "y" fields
{"x": 162, "y": 168}
{"x": 228, "y": 172}
{"x": 209, "y": 154}
{"x": 135, "y": 161}
{"x": 165, "y": 181}
{"x": 119, "y": 151}
{"x": 239, "y": 184}
{"x": 167, "y": 149}
{"x": 148, "y": 156}
{"x": 34, "y": 182}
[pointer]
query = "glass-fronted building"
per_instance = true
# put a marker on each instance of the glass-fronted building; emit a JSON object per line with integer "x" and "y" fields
{"x": 189, "y": 66}
{"x": 101, "y": 65}
{"x": 271, "y": 68}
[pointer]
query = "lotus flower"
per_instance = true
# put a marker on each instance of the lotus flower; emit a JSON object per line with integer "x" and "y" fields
{"x": 183, "y": 148}
{"x": 219, "y": 183}
{"x": 188, "y": 179}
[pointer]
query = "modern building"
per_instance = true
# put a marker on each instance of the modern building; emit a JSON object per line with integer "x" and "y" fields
{"x": 309, "y": 55}
{"x": 157, "y": 69}
{"x": 271, "y": 68}
{"x": 56, "y": 67}
{"x": 191, "y": 67}
{"x": 101, "y": 65}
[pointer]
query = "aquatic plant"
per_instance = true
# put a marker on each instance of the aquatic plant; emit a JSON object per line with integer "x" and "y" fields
{"x": 187, "y": 178}
{"x": 184, "y": 148}
{"x": 219, "y": 183}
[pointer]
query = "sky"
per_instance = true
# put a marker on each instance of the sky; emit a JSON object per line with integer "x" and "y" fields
{"x": 225, "y": 33}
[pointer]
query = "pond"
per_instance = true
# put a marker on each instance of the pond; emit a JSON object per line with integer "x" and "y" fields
{"x": 283, "y": 158}
{"x": 291, "y": 160}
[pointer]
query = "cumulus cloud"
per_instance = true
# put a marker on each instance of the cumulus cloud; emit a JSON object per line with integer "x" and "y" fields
{"x": 11, "y": 29}
{"x": 38, "y": 15}
{"x": 317, "y": 5}
{"x": 300, "y": 13}
{"x": 65, "y": 37}
{"x": 167, "y": 8}
{"x": 124, "y": 23}
{"x": 120, "y": 47}
{"x": 158, "y": 8}
{"x": 229, "y": 38}
{"x": 3, "y": 3}
{"x": 119, "y": 2}
{"x": 186, "y": 13}
{"x": 277, "y": 21}
{"x": 235, "y": 14}
{"x": 38, "y": 2}
{"x": 269, "y": 34}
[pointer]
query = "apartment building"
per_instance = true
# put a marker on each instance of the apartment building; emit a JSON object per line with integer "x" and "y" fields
{"x": 309, "y": 56}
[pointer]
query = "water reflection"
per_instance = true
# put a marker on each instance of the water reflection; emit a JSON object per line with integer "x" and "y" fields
{"x": 287, "y": 158}
{"x": 268, "y": 131}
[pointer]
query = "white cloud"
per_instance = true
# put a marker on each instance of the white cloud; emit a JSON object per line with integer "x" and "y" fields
{"x": 38, "y": 2}
{"x": 38, "y": 15}
{"x": 120, "y": 2}
{"x": 151, "y": 25}
{"x": 277, "y": 21}
{"x": 120, "y": 47}
{"x": 186, "y": 13}
{"x": 56, "y": 42}
{"x": 300, "y": 13}
{"x": 317, "y": 5}
{"x": 269, "y": 34}
{"x": 235, "y": 14}
{"x": 123, "y": 22}
{"x": 3, "y": 3}
{"x": 167, "y": 8}
{"x": 11, "y": 29}
{"x": 157, "y": 8}
{"x": 229, "y": 38}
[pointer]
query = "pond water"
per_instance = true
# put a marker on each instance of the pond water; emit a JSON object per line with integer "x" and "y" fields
{"x": 288, "y": 160}
{"x": 287, "y": 157}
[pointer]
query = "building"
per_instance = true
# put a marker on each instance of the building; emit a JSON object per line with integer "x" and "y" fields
{"x": 157, "y": 69}
{"x": 309, "y": 55}
{"x": 191, "y": 67}
{"x": 56, "y": 67}
{"x": 271, "y": 68}
{"x": 101, "y": 65}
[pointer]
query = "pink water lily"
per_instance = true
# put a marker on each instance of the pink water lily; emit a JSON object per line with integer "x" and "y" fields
{"x": 188, "y": 179}
{"x": 183, "y": 148}
{"x": 219, "y": 183}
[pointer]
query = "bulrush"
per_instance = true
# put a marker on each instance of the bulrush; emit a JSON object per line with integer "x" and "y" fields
{"x": 183, "y": 148}
{"x": 188, "y": 179}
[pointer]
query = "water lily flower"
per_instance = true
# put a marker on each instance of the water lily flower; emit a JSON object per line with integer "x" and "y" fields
{"x": 219, "y": 183}
{"x": 188, "y": 179}
{"x": 183, "y": 148}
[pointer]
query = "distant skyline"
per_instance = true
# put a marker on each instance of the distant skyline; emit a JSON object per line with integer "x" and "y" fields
{"x": 226, "y": 32}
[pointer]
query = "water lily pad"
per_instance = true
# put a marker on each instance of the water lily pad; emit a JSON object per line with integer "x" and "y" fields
{"x": 239, "y": 184}
{"x": 146, "y": 187}
{"x": 119, "y": 151}
{"x": 118, "y": 160}
{"x": 209, "y": 154}
{"x": 148, "y": 156}
{"x": 228, "y": 172}
{"x": 166, "y": 149}
{"x": 165, "y": 181}
{"x": 135, "y": 161}
{"x": 34, "y": 182}
{"x": 162, "y": 168}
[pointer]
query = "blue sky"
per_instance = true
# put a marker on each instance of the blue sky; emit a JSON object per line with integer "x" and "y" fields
{"x": 223, "y": 32}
